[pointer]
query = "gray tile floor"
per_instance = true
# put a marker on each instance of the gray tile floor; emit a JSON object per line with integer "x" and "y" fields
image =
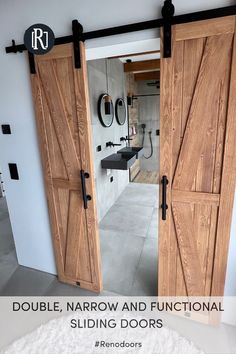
{"x": 8, "y": 260}
{"x": 128, "y": 235}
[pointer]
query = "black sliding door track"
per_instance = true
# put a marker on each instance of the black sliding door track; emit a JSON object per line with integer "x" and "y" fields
{"x": 139, "y": 26}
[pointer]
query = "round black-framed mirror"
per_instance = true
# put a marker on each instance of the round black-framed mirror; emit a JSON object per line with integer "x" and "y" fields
{"x": 105, "y": 110}
{"x": 120, "y": 109}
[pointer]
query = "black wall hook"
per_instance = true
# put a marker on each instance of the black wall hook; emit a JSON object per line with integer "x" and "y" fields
{"x": 14, "y": 49}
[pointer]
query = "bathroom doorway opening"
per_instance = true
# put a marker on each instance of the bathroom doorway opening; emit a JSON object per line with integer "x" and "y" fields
{"x": 127, "y": 196}
{"x": 143, "y": 90}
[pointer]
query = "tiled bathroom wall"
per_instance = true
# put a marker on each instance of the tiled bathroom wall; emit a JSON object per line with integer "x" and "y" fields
{"x": 131, "y": 85}
{"x": 149, "y": 114}
{"x": 108, "y": 188}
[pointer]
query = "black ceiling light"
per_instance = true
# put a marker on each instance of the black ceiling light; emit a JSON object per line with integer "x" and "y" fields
{"x": 107, "y": 104}
{"x": 129, "y": 99}
{"x": 130, "y": 95}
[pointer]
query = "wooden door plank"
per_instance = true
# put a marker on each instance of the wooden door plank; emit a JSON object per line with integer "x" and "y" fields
{"x": 76, "y": 242}
{"x": 85, "y": 134}
{"x": 67, "y": 184}
{"x": 42, "y": 128}
{"x": 211, "y": 250}
{"x": 56, "y": 158}
{"x": 147, "y": 75}
{"x": 227, "y": 187}
{"x": 57, "y": 112}
{"x": 65, "y": 76}
{"x": 176, "y": 278}
{"x": 204, "y": 104}
{"x": 195, "y": 197}
{"x": 202, "y": 225}
{"x": 188, "y": 249}
{"x": 180, "y": 281}
{"x": 177, "y": 101}
{"x": 140, "y": 66}
{"x": 205, "y": 28}
{"x": 222, "y": 119}
{"x": 192, "y": 58}
{"x": 57, "y": 52}
{"x": 62, "y": 201}
{"x": 165, "y": 239}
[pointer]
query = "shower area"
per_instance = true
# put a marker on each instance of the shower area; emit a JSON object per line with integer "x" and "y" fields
{"x": 144, "y": 118}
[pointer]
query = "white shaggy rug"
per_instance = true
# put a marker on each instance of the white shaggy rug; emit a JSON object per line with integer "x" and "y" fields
{"x": 57, "y": 337}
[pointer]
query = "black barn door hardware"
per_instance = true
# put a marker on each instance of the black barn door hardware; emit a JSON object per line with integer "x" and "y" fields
{"x": 31, "y": 63}
{"x": 167, "y": 12}
{"x": 77, "y": 31}
{"x": 164, "y": 206}
{"x": 86, "y": 196}
{"x": 166, "y": 22}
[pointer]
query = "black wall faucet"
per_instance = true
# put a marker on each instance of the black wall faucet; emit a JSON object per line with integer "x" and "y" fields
{"x": 125, "y": 138}
{"x": 110, "y": 144}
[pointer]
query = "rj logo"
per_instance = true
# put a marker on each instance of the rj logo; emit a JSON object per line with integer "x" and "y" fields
{"x": 39, "y": 37}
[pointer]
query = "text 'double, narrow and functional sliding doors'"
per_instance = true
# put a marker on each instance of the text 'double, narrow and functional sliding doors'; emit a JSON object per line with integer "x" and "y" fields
{"x": 62, "y": 113}
{"x": 198, "y": 157}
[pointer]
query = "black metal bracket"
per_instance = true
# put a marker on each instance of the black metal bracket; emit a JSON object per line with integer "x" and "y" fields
{"x": 167, "y": 12}
{"x": 31, "y": 63}
{"x": 77, "y": 30}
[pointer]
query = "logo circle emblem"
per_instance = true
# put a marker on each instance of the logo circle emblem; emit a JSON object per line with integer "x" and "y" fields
{"x": 39, "y": 39}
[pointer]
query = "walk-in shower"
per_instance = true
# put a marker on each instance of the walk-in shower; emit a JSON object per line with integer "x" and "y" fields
{"x": 144, "y": 128}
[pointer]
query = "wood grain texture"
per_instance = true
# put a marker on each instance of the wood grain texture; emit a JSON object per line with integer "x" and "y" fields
{"x": 188, "y": 249}
{"x": 198, "y": 132}
{"x": 195, "y": 197}
{"x": 85, "y": 131}
{"x": 227, "y": 187}
{"x": 149, "y": 177}
{"x": 62, "y": 114}
{"x": 165, "y": 236}
{"x": 201, "y": 131}
{"x": 205, "y": 28}
{"x": 145, "y": 65}
{"x": 149, "y": 75}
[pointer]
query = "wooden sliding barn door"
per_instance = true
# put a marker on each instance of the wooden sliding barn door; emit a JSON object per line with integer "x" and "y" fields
{"x": 62, "y": 112}
{"x": 198, "y": 157}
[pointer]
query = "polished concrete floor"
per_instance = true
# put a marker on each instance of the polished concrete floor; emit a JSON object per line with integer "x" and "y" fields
{"x": 128, "y": 235}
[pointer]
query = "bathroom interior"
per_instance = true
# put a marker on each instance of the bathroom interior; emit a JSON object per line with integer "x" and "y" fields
{"x": 125, "y": 103}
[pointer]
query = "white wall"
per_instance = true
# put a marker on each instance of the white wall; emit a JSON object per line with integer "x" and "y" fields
{"x": 26, "y": 197}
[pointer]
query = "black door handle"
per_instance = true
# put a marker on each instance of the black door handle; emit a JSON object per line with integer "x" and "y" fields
{"x": 164, "y": 206}
{"x": 86, "y": 196}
